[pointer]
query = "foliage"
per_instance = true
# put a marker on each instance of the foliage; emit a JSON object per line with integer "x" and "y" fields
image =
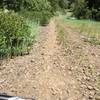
{"x": 59, "y": 5}
{"x": 80, "y": 9}
{"x": 37, "y": 5}
{"x": 87, "y": 9}
{"x": 34, "y": 5}
{"x": 12, "y": 4}
{"x": 40, "y": 10}
{"x": 95, "y": 14}
{"x": 36, "y": 9}
{"x": 42, "y": 17}
{"x": 13, "y": 35}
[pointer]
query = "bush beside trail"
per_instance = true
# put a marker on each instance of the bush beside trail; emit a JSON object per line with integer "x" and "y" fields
{"x": 38, "y": 10}
{"x": 14, "y": 35}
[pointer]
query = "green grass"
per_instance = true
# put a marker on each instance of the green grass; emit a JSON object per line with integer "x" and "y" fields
{"x": 88, "y": 28}
{"x": 34, "y": 29}
{"x": 61, "y": 34}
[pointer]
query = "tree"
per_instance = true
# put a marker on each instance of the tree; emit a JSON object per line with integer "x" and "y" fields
{"x": 93, "y": 3}
{"x": 94, "y": 6}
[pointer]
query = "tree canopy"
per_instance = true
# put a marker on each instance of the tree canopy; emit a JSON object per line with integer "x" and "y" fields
{"x": 81, "y": 8}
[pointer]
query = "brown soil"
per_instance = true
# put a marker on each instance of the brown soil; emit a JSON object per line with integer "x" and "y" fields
{"x": 48, "y": 72}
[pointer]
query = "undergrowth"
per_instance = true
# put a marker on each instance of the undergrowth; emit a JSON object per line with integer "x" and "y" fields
{"x": 16, "y": 34}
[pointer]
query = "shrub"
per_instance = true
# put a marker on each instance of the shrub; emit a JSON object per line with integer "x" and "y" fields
{"x": 42, "y": 17}
{"x": 81, "y": 10}
{"x": 40, "y": 9}
{"x": 14, "y": 35}
{"x": 87, "y": 9}
{"x": 96, "y": 14}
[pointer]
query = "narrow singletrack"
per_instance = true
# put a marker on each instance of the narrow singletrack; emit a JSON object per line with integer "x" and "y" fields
{"x": 44, "y": 73}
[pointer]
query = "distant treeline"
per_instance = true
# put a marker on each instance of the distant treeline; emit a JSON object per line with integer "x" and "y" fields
{"x": 82, "y": 9}
{"x": 89, "y": 9}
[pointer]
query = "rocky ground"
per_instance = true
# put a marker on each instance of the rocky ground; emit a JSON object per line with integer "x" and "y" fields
{"x": 84, "y": 60}
{"x": 52, "y": 71}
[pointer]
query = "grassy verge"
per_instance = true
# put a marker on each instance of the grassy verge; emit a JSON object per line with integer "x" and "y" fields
{"x": 89, "y": 29}
{"x": 34, "y": 29}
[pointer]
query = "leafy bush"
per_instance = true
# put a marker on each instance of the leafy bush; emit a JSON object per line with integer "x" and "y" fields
{"x": 40, "y": 10}
{"x": 81, "y": 10}
{"x": 36, "y": 5}
{"x": 14, "y": 35}
{"x": 87, "y": 9}
{"x": 42, "y": 17}
{"x": 34, "y": 9}
{"x": 30, "y": 5}
{"x": 12, "y": 4}
{"x": 96, "y": 14}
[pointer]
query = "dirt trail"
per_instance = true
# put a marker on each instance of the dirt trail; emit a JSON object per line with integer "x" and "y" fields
{"x": 84, "y": 62}
{"x": 44, "y": 73}
{"x": 41, "y": 74}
